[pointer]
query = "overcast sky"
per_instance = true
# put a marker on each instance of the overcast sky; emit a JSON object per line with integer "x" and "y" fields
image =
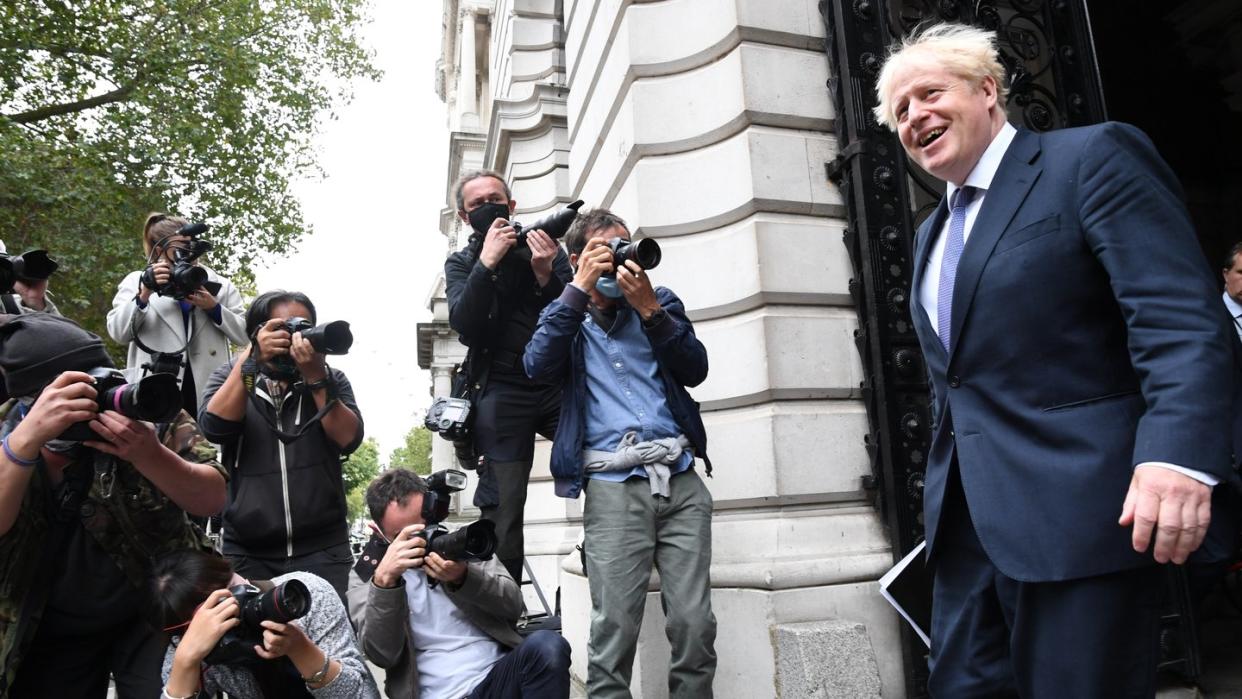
{"x": 376, "y": 248}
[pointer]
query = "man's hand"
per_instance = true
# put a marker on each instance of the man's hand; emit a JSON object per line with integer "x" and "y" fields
{"x": 542, "y": 253}
{"x": 501, "y": 238}
{"x": 636, "y": 286}
{"x": 125, "y": 438}
{"x": 202, "y": 298}
{"x": 594, "y": 262}
{"x": 444, "y": 570}
{"x": 1178, "y": 507}
{"x": 405, "y": 552}
{"x": 311, "y": 364}
{"x": 69, "y": 399}
{"x": 34, "y": 294}
{"x": 273, "y": 340}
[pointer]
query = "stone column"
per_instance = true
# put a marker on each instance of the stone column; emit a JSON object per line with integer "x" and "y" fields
{"x": 467, "y": 95}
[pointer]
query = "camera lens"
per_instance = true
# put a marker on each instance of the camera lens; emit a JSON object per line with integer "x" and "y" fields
{"x": 156, "y": 398}
{"x": 287, "y": 601}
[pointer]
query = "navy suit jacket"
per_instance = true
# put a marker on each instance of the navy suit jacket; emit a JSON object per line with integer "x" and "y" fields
{"x": 1087, "y": 337}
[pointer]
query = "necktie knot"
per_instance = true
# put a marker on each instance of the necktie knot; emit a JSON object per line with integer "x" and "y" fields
{"x": 963, "y": 196}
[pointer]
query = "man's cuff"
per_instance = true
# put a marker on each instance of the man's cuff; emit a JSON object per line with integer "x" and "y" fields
{"x": 575, "y": 297}
{"x": 1205, "y": 478}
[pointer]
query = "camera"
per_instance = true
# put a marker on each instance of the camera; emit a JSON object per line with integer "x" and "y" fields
{"x": 451, "y": 417}
{"x": 155, "y": 398}
{"x": 30, "y": 266}
{"x": 555, "y": 224}
{"x": 644, "y": 251}
{"x": 329, "y": 338}
{"x": 474, "y": 542}
{"x": 283, "y": 603}
{"x": 186, "y": 276}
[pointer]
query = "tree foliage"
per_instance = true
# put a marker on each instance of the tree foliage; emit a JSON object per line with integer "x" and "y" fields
{"x": 357, "y": 472}
{"x": 112, "y": 108}
{"x": 415, "y": 454}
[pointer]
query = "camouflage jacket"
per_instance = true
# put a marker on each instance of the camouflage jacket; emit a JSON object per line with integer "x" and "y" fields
{"x": 129, "y": 518}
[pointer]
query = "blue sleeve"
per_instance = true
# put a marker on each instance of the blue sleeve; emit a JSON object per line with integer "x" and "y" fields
{"x": 547, "y": 354}
{"x": 676, "y": 346}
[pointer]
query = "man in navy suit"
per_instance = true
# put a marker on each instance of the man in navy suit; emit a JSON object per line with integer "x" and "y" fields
{"x": 1077, "y": 352}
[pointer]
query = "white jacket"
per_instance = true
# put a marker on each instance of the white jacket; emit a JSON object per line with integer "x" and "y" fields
{"x": 161, "y": 328}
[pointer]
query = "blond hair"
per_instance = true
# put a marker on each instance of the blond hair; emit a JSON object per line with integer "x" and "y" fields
{"x": 965, "y": 51}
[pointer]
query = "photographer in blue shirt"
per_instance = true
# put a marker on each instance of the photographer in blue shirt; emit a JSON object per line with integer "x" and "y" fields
{"x": 628, "y": 435}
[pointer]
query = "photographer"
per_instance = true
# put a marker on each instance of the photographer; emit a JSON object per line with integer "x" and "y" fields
{"x": 29, "y": 295}
{"x": 456, "y": 639}
{"x": 628, "y": 436}
{"x": 496, "y": 290}
{"x": 314, "y": 655}
{"x": 82, "y": 521}
{"x": 286, "y": 421}
{"x": 203, "y": 322}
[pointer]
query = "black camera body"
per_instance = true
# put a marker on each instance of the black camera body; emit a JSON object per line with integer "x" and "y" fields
{"x": 283, "y": 603}
{"x": 186, "y": 277}
{"x": 329, "y": 338}
{"x": 450, "y": 417}
{"x": 155, "y": 398}
{"x": 645, "y": 251}
{"x": 474, "y": 542}
{"x": 30, "y": 266}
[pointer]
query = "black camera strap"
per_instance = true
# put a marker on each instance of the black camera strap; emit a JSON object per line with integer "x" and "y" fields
{"x": 250, "y": 374}
{"x": 133, "y": 329}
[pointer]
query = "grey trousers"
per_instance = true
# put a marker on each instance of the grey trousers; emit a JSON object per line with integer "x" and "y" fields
{"x": 627, "y": 530}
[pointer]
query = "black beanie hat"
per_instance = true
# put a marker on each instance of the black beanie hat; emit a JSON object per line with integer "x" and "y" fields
{"x": 35, "y": 348}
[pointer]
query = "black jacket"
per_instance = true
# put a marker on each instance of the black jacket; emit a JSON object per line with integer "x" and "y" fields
{"x": 264, "y": 474}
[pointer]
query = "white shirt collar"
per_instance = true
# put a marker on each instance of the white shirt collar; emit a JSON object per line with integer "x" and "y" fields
{"x": 1235, "y": 310}
{"x": 981, "y": 177}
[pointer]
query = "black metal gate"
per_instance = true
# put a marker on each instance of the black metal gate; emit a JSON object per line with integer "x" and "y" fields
{"x": 1047, "y": 49}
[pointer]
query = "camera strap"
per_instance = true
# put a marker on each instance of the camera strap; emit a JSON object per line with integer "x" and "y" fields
{"x": 250, "y": 373}
{"x": 133, "y": 329}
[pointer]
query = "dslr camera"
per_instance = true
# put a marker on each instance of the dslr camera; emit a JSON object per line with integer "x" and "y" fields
{"x": 644, "y": 251}
{"x": 474, "y": 542}
{"x": 186, "y": 276}
{"x": 287, "y": 601}
{"x": 450, "y": 417}
{"x": 155, "y": 398}
{"x": 329, "y": 338}
{"x": 30, "y": 266}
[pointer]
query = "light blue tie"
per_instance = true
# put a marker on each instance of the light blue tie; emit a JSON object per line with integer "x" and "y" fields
{"x": 948, "y": 265}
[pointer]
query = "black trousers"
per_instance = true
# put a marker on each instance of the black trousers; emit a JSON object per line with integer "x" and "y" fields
{"x": 511, "y": 411}
{"x": 78, "y": 667}
{"x": 331, "y": 564}
{"x": 994, "y": 636}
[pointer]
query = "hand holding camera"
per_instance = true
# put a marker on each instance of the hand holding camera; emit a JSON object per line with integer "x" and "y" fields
{"x": 636, "y": 286}
{"x": 280, "y": 640}
{"x": 69, "y": 399}
{"x": 443, "y": 569}
{"x": 125, "y": 438}
{"x": 219, "y": 614}
{"x": 501, "y": 237}
{"x": 594, "y": 262}
{"x": 542, "y": 253}
{"x": 405, "y": 552}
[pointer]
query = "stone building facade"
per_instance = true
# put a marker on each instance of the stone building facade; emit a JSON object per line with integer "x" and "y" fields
{"x": 706, "y": 124}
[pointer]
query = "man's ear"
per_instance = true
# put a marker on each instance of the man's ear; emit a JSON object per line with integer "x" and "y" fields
{"x": 573, "y": 261}
{"x": 512, "y": 207}
{"x": 463, "y": 216}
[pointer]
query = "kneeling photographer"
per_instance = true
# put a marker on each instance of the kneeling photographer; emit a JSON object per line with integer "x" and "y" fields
{"x": 441, "y": 619}
{"x": 288, "y": 637}
{"x": 285, "y": 421}
{"x": 90, "y": 494}
{"x": 176, "y": 309}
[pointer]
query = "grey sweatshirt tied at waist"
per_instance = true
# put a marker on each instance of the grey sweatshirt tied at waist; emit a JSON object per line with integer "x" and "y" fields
{"x": 656, "y": 456}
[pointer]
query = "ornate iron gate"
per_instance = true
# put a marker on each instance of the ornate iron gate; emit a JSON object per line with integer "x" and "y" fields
{"x": 1047, "y": 49}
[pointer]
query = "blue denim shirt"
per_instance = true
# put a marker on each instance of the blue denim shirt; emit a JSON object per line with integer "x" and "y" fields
{"x": 624, "y": 391}
{"x": 556, "y": 352}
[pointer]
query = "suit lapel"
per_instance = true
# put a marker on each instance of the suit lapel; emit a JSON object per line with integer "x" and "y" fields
{"x": 1013, "y": 181}
{"x": 923, "y": 245}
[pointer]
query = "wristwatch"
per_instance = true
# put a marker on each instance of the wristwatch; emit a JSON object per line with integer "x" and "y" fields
{"x": 655, "y": 319}
{"x": 322, "y": 674}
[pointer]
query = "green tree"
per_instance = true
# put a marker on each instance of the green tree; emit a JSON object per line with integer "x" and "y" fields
{"x": 358, "y": 470}
{"x": 415, "y": 454}
{"x": 113, "y": 108}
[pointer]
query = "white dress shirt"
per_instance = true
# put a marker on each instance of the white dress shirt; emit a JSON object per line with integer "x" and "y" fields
{"x": 981, "y": 179}
{"x": 1235, "y": 312}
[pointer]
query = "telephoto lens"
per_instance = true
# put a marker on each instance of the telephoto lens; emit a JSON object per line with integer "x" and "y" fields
{"x": 474, "y": 542}
{"x": 644, "y": 251}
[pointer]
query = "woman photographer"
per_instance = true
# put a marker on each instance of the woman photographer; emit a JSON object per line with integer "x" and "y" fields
{"x": 314, "y": 655}
{"x": 203, "y": 322}
{"x": 286, "y": 421}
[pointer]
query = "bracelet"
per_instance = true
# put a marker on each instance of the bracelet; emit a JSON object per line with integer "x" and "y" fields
{"x": 8, "y": 451}
{"x": 323, "y": 672}
{"x": 165, "y": 695}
